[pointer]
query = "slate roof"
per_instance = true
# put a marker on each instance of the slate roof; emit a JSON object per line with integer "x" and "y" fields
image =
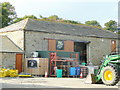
{"x": 6, "y": 45}
{"x": 59, "y": 28}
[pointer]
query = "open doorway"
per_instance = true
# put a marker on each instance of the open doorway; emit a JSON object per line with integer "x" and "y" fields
{"x": 82, "y": 48}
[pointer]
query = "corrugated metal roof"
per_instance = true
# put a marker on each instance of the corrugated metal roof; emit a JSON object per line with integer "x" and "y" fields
{"x": 60, "y": 28}
{"x": 6, "y": 45}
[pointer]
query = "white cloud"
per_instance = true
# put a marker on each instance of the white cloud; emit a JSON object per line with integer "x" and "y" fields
{"x": 13, "y": 1}
{"x": 8, "y": 1}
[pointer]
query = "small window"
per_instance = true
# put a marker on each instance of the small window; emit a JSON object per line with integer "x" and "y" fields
{"x": 59, "y": 45}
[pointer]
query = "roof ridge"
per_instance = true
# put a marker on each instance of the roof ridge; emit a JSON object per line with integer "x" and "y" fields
{"x": 26, "y": 21}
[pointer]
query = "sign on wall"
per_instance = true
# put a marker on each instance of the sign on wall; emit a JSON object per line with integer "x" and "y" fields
{"x": 32, "y": 64}
{"x": 59, "y": 45}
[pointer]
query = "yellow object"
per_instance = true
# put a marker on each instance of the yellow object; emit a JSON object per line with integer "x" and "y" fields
{"x": 3, "y": 69}
{"x": 2, "y": 74}
{"x": 8, "y": 72}
{"x": 24, "y": 75}
{"x": 108, "y": 76}
{"x": 13, "y": 73}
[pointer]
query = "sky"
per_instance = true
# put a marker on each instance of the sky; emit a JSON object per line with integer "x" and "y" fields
{"x": 78, "y": 10}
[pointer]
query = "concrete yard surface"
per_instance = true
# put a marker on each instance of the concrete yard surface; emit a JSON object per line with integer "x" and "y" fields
{"x": 39, "y": 82}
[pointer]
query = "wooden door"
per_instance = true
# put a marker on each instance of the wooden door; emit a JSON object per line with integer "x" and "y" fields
{"x": 19, "y": 62}
{"x": 113, "y": 46}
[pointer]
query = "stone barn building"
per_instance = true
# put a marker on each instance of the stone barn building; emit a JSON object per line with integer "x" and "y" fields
{"x": 35, "y": 35}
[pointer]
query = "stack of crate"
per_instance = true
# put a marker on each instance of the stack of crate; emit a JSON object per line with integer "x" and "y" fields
{"x": 8, "y": 72}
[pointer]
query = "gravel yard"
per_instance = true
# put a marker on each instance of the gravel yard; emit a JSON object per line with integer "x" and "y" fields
{"x": 39, "y": 82}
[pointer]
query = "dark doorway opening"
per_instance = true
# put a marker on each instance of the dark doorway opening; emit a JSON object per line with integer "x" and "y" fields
{"x": 82, "y": 48}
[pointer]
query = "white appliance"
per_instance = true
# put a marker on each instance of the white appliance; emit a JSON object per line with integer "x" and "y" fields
{"x": 34, "y": 54}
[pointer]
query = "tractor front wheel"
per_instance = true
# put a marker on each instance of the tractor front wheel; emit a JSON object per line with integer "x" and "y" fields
{"x": 110, "y": 75}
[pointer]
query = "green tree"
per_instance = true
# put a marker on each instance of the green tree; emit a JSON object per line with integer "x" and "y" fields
{"x": 118, "y": 32}
{"x": 0, "y": 15}
{"x": 40, "y": 16}
{"x": 54, "y": 18}
{"x": 111, "y": 25}
{"x": 30, "y": 16}
{"x": 71, "y": 22}
{"x": 93, "y": 23}
{"x": 8, "y": 14}
{"x": 27, "y": 16}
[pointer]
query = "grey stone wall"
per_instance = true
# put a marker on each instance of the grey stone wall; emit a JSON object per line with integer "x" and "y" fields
{"x": 34, "y": 41}
{"x": 7, "y": 60}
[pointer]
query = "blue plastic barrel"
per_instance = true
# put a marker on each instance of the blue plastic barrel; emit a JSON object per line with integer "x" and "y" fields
{"x": 77, "y": 70}
{"x": 72, "y": 71}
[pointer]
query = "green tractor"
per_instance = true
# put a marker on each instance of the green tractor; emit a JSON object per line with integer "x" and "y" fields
{"x": 109, "y": 71}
